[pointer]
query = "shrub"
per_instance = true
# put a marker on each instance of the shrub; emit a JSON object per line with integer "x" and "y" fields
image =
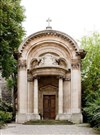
{"x": 5, "y": 106}
{"x": 93, "y": 112}
{"x": 1, "y": 124}
{"x": 5, "y": 116}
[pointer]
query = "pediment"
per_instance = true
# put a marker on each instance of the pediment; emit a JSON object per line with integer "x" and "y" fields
{"x": 48, "y": 87}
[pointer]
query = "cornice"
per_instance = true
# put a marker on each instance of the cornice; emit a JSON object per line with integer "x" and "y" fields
{"x": 81, "y": 53}
{"x": 46, "y": 33}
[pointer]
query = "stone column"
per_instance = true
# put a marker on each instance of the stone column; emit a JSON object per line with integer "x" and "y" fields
{"x": 67, "y": 94}
{"x": 22, "y": 87}
{"x": 60, "y": 96}
{"x": 35, "y": 95}
{"x": 30, "y": 93}
{"x": 76, "y": 92}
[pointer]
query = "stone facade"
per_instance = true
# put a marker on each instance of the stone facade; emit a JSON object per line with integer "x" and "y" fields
{"x": 49, "y": 77}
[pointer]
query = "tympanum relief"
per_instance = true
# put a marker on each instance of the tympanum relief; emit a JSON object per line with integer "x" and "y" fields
{"x": 48, "y": 60}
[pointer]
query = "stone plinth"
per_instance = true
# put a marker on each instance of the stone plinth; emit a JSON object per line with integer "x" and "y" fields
{"x": 63, "y": 117}
{"x": 77, "y": 118}
{"x": 21, "y": 118}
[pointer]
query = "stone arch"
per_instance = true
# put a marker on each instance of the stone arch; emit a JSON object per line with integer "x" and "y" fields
{"x": 56, "y": 49}
{"x": 48, "y": 36}
{"x": 46, "y": 33}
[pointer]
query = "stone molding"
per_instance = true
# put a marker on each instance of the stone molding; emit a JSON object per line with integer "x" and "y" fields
{"x": 46, "y": 87}
{"x": 58, "y": 71}
{"x": 46, "y": 33}
{"x": 22, "y": 64}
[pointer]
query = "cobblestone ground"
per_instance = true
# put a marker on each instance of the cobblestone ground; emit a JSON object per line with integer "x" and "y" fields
{"x": 19, "y": 129}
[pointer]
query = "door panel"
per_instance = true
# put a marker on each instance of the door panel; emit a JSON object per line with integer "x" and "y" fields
{"x": 49, "y": 103}
{"x": 46, "y": 107}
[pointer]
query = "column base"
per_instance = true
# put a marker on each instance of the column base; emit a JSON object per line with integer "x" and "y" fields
{"x": 21, "y": 117}
{"x": 77, "y": 118}
{"x": 63, "y": 116}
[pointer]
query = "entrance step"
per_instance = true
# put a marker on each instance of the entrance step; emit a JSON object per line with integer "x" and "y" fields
{"x": 48, "y": 122}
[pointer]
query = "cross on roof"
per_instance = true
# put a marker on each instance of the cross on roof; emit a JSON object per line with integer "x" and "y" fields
{"x": 49, "y": 20}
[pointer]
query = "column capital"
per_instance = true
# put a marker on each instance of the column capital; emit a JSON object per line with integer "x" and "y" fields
{"x": 36, "y": 76}
{"x": 67, "y": 78}
{"x": 29, "y": 76}
{"x": 61, "y": 77}
{"x": 22, "y": 64}
{"x": 75, "y": 66}
{"x": 75, "y": 63}
{"x": 30, "y": 79}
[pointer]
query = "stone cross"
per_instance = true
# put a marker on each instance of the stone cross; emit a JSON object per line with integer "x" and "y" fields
{"x": 49, "y": 20}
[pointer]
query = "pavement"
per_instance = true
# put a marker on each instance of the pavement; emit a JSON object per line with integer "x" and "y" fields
{"x": 19, "y": 129}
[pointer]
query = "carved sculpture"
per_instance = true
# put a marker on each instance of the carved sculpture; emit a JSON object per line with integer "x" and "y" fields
{"x": 48, "y": 60}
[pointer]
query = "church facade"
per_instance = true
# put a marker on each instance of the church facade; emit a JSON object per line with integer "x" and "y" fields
{"x": 49, "y": 77}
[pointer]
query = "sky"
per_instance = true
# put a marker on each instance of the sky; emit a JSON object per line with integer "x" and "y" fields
{"x": 76, "y": 18}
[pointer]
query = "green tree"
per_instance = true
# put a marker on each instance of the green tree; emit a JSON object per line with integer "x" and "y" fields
{"x": 11, "y": 34}
{"x": 91, "y": 78}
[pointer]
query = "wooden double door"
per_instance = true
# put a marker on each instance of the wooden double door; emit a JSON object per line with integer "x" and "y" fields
{"x": 49, "y": 106}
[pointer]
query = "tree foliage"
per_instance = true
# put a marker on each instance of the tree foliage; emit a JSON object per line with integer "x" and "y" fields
{"x": 11, "y": 33}
{"x": 91, "y": 78}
